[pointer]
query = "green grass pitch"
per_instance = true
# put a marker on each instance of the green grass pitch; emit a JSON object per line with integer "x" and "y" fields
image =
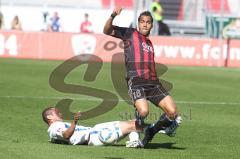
{"x": 208, "y": 99}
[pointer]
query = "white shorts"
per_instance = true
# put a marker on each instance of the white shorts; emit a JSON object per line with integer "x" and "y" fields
{"x": 94, "y": 133}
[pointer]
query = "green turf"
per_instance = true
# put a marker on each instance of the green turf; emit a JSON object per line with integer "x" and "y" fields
{"x": 208, "y": 99}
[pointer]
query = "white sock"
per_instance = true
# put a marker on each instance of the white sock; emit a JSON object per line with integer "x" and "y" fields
{"x": 133, "y": 136}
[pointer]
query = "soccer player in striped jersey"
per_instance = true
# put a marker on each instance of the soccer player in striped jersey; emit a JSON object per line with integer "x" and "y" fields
{"x": 142, "y": 80}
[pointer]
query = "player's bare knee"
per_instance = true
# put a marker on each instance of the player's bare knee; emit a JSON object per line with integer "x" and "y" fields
{"x": 172, "y": 113}
{"x": 130, "y": 126}
{"x": 143, "y": 112}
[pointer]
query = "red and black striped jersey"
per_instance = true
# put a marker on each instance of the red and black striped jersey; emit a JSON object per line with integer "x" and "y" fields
{"x": 139, "y": 53}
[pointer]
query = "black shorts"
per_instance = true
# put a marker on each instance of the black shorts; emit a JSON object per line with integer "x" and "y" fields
{"x": 151, "y": 90}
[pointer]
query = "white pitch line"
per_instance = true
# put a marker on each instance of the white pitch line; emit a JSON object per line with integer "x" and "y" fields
{"x": 120, "y": 100}
{"x": 42, "y": 97}
{"x": 208, "y": 103}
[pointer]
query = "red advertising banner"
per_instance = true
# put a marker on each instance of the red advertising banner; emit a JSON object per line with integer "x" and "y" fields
{"x": 168, "y": 50}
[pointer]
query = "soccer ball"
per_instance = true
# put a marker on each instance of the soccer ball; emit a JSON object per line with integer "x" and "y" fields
{"x": 108, "y": 136}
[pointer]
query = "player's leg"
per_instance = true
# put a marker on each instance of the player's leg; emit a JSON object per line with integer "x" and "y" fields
{"x": 161, "y": 98}
{"x": 155, "y": 95}
{"x": 129, "y": 126}
{"x": 170, "y": 118}
{"x": 116, "y": 129}
{"x": 169, "y": 107}
{"x": 132, "y": 129}
{"x": 137, "y": 94}
{"x": 141, "y": 113}
{"x": 142, "y": 110}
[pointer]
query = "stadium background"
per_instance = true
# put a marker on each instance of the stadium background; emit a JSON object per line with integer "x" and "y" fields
{"x": 208, "y": 97}
{"x": 195, "y": 26}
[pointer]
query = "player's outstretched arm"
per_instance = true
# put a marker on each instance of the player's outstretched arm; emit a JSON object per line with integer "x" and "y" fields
{"x": 108, "y": 27}
{"x": 69, "y": 132}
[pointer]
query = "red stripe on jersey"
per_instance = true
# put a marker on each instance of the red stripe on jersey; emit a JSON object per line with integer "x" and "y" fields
{"x": 136, "y": 52}
{"x": 153, "y": 69}
{"x": 152, "y": 64}
{"x": 146, "y": 60}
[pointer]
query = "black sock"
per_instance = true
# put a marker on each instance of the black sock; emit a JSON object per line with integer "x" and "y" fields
{"x": 162, "y": 123}
{"x": 139, "y": 118}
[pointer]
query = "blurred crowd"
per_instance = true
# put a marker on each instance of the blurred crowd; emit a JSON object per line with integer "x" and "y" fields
{"x": 50, "y": 23}
{"x": 53, "y": 22}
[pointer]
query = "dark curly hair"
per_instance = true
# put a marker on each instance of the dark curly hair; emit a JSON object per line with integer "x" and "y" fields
{"x": 145, "y": 13}
{"x": 47, "y": 112}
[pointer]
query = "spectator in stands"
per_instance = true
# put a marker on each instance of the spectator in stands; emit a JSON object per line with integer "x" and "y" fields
{"x": 1, "y": 20}
{"x": 45, "y": 21}
{"x": 157, "y": 11}
{"x": 86, "y": 25}
{"x": 16, "y": 23}
{"x": 55, "y": 23}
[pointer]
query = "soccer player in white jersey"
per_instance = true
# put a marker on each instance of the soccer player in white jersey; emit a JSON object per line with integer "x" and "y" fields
{"x": 71, "y": 133}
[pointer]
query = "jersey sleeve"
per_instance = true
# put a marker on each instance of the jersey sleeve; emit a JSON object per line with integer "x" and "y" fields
{"x": 122, "y": 32}
{"x": 56, "y": 131}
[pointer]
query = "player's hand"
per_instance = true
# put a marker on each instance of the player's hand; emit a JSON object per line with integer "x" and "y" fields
{"x": 117, "y": 10}
{"x": 77, "y": 117}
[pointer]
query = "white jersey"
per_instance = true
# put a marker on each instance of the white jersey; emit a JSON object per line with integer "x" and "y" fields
{"x": 80, "y": 135}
